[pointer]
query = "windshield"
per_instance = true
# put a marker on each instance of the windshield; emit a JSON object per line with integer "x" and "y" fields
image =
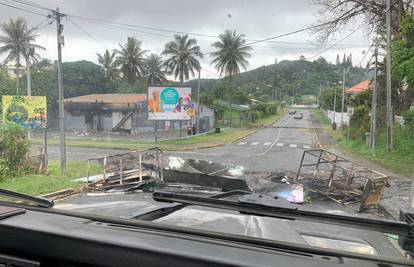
{"x": 289, "y": 99}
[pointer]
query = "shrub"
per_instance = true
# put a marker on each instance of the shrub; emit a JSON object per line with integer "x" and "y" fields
{"x": 13, "y": 150}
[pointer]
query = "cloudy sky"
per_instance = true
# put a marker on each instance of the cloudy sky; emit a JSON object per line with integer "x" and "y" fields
{"x": 257, "y": 19}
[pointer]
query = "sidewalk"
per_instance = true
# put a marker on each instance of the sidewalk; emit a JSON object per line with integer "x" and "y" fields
{"x": 396, "y": 196}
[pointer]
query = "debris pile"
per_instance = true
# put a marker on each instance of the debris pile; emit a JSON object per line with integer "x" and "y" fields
{"x": 341, "y": 180}
{"x": 127, "y": 171}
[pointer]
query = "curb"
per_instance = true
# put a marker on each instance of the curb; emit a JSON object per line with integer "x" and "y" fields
{"x": 60, "y": 194}
{"x": 243, "y": 137}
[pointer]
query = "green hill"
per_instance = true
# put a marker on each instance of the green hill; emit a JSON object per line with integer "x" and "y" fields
{"x": 298, "y": 78}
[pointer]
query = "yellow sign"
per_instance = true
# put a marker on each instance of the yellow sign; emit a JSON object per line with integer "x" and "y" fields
{"x": 28, "y": 112}
{"x": 191, "y": 112}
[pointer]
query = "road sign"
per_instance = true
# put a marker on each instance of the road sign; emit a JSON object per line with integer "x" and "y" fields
{"x": 350, "y": 111}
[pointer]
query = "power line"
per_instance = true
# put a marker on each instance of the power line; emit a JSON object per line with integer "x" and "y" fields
{"x": 88, "y": 34}
{"x": 28, "y": 3}
{"x": 342, "y": 39}
{"x": 369, "y": 49}
{"x": 23, "y": 9}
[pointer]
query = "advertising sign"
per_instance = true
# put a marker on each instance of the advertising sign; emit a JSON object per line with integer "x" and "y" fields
{"x": 29, "y": 112}
{"x": 169, "y": 103}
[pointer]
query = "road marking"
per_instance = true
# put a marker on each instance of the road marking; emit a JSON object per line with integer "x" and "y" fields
{"x": 306, "y": 147}
{"x": 254, "y": 143}
{"x": 241, "y": 143}
{"x": 267, "y": 144}
{"x": 280, "y": 144}
{"x": 293, "y": 145}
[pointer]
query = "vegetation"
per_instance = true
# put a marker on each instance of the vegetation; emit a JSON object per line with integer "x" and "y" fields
{"x": 131, "y": 59}
{"x": 18, "y": 42}
{"x": 107, "y": 62}
{"x": 400, "y": 160}
{"x": 43, "y": 184}
{"x": 154, "y": 70}
{"x": 13, "y": 150}
{"x": 182, "y": 57}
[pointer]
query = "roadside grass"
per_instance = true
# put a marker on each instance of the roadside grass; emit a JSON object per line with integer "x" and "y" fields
{"x": 222, "y": 138}
{"x": 400, "y": 161}
{"x": 42, "y": 184}
{"x": 268, "y": 120}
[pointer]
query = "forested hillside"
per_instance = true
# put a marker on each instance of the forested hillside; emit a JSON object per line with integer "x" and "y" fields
{"x": 298, "y": 78}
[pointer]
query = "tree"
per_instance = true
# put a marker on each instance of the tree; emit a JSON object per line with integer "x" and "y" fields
{"x": 231, "y": 54}
{"x": 107, "y": 62}
{"x": 182, "y": 57}
{"x": 131, "y": 59}
{"x": 403, "y": 63}
{"x": 154, "y": 70}
{"x": 338, "y": 61}
{"x": 336, "y": 15}
{"x": 18, "y": 42}
{"x": 302, "y": 57}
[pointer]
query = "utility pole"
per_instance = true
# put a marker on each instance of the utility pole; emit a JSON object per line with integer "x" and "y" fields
{"x": 28, "y": 81}
{"x": 60, "y": 42}
{"x": 374, "y": 103}
{"x": 334, "y": 107}
{"x": 319, "y": 96}
{"x": 198, "y": 101}
{"x": 388, "y": 73}
{"x": 343, "y": 98}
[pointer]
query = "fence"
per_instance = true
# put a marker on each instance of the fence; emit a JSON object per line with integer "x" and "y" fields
{"x": 340, "y": 118}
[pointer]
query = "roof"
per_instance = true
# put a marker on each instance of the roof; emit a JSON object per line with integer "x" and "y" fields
{"x": 360, "y": 87}
{"x": 109, "y": 98}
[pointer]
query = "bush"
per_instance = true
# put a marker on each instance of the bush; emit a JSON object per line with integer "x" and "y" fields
{"x": 360, "y": 122}
{"x": 409, "y": 117}
{"x": 13, "y": 150}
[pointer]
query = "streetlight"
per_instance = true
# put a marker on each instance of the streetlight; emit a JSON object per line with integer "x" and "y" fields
{"x": 274, "y": 92}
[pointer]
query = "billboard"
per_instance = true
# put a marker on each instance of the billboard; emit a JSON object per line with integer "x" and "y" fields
{"x": 170, "y": 103}
{"x": 28, "y": 112}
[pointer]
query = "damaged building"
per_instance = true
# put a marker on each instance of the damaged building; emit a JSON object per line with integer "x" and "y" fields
{"x": 121, "y": 113}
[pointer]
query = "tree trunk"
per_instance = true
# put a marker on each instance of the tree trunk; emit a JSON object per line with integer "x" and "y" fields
{"x": 230, "y": 100}
{"x": 17, "y": 74}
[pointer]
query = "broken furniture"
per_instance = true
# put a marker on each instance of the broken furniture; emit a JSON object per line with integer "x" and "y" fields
{"x": 340, "y": 179}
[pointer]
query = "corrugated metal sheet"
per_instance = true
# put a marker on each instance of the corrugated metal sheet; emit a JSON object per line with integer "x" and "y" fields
{"x": 109, "y": 98}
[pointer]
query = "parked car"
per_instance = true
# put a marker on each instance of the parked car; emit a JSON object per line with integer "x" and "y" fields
{"x": 298, "y": 116}
{"x": 292, "y": 111}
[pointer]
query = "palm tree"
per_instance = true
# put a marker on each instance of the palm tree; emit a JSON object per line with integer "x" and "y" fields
{"x": 230, "y": 56}
{"x": 182, "y": 57}
{"x": 18, "y": 42}
{"x": 154, "y": 70}
{"x": 131, "y": 59}
{"x": 107, "y": 62}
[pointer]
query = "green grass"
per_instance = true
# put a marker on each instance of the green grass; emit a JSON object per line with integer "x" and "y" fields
{"x": 268, "y": 120}
{"x": 324, "y": 121}
{"x": 42, "y": 184}
{"x": 400, "y": 161}
{"x": 196, "y": 141}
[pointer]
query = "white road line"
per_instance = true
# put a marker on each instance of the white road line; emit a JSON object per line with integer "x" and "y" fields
{"x": 241, "y": 143}
{"x": 280, "y": 144}
{"x": 254, "y": 143}
{"x": 293, "y": 145}
{"x": 277, "y": 138}
{"x": 306, "y": 147}
{"x": 267, "y": 144}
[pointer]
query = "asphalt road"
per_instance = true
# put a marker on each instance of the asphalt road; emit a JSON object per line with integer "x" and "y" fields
{"x": 276, "y": 148}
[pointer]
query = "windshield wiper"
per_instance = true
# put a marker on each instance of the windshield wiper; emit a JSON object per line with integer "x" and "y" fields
{"x": 39, "y": 201}
{"x": 159, "y": 212}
